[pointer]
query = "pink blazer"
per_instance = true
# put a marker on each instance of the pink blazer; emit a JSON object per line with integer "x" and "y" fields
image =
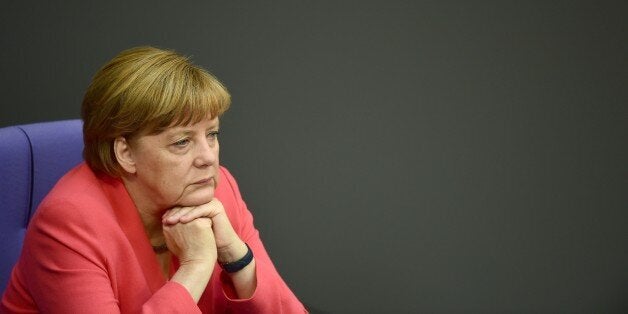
{"x": 85, "y": 251}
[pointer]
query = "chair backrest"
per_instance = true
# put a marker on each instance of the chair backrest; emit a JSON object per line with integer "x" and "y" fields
{"x": 32, "y": 158}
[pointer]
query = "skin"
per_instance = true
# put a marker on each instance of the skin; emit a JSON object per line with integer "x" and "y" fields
{"x": 171, "y": 177}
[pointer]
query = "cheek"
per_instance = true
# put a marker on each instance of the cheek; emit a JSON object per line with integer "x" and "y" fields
{"x": 178, "y": 170}
{"x": 170, "y": 171}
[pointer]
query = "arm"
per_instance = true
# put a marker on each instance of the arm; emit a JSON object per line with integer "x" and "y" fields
{"x": 271, "y": 293}
{"x": 193, "y": 243}
{"x": 257, "y": 287}
{"x": 225, "y": 244}
{"x": 68, "y": 267}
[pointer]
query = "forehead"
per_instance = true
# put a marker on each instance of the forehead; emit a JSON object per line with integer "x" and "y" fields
{"x": 204, "y": 124}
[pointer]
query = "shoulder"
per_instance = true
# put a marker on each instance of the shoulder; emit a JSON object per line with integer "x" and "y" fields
{"x": 228, "y": 193}
{"x": 74, "y": 219}
{"x": 227, "y": 185}
{"x": 79, "y": 187}
{"x": 225, "y": 174}
{"x": 79, "y": 184}
{"x": 76, "y": 204}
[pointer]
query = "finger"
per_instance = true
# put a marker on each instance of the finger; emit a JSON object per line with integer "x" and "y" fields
{"x": 168, "y": 213}
{"x": 209, "y": 210}
{"x": 174, "y": 218}
{"x": 204, "y": 210}
{"x": 174, "y": 215}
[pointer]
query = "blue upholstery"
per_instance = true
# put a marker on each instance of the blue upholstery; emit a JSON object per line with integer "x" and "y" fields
{"x": 32, "y": 158}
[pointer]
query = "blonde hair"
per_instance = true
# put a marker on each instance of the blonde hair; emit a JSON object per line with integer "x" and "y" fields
{"x": 144, "y": 90}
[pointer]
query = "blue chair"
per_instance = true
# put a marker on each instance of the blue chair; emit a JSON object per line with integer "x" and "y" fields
{"x": 32, "y": 158}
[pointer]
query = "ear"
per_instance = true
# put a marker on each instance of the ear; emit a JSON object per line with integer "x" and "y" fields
{"x": 124, "y": 154}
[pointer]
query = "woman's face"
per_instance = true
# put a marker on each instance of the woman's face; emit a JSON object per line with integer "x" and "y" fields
{"x": 177, "y": 167}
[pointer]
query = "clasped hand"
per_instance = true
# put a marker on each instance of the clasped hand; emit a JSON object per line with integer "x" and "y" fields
{"x": 201, "y": 233}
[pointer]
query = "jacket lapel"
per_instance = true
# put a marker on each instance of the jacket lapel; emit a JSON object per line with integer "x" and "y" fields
{"x": 129, "y": 219}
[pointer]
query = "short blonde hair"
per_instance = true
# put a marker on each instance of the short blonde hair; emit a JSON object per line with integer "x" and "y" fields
{"x": 144, "y": 90}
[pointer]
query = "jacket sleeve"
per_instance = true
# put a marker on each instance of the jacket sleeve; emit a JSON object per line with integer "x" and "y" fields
{"x": 272, "y": 295}
{"x": 65, "y": 268}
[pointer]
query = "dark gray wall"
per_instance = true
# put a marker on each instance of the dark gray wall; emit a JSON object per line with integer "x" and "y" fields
{"x": 418, "y": 156}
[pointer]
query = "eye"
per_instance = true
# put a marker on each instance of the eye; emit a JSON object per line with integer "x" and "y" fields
{"x": 181, "y": 143}
{"x": 212, "y": 135}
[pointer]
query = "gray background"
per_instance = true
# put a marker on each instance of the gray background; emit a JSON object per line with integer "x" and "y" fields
{"x": 418, "y": 156}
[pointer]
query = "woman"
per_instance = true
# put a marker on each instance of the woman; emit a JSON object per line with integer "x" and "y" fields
{"x": 150, "y": 222}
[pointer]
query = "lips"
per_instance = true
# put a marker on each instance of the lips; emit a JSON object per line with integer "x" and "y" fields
{"x": 204, "y": 181}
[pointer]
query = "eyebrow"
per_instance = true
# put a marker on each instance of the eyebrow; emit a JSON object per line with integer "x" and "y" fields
{"x": 177, "y": 133}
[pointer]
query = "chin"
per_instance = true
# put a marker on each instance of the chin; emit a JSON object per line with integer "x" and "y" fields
{"x": 197, "y": 198}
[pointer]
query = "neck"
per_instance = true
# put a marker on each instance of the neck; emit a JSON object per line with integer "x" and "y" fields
{"x": 152, "y": 227}
{"x": 150, "y": 213}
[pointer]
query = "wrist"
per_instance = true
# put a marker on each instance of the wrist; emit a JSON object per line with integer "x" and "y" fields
{"x": 237, "y": 265}
{"x": 199, "y": 263}
{"x": 194, "y": 276}
{"x": 232, "y": 252}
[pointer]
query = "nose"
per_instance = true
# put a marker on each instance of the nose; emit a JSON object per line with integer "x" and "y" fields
{"x": 206, "y": 153}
